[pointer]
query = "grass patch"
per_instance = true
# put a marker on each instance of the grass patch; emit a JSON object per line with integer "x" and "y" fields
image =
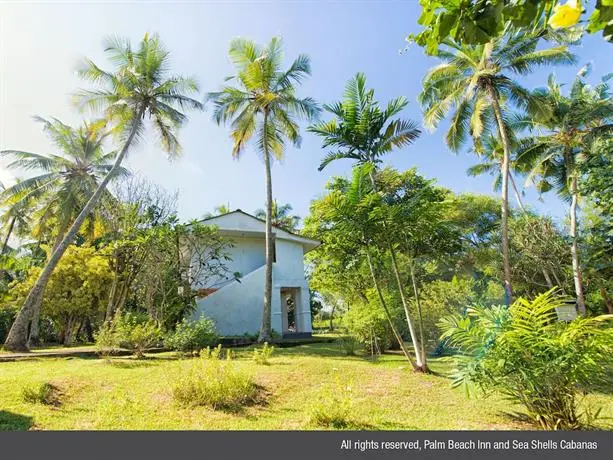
{"x": 43, "y": 393}
{"x": 215, "y": 383}
{"x": 133, "y": 394}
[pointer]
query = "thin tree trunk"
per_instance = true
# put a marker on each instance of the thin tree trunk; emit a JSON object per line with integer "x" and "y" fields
{"x": 505, "y": 195}
{"x": 574, "y": 250}
{"x": 420, "y": 358}
{"x": 265, "y": 331}
{"x": 517, "y": 196}
{"x": 547, "y": 279}
{"x": 390, "y": 320}
{"x": 419, "y": 316}
{"x": 8, "y": 234}
{"x": 18, "y": 335}
{"x": 607, "y": 301}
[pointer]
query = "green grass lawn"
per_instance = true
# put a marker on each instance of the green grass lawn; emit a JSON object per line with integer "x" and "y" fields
{"x": 130, "y": 394}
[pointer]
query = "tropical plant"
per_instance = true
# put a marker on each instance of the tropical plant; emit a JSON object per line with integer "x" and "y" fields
{"x": 192, "y": 336}
{"x": 563, "y": 140}
{"x": 138, "y": 87}
{"x": 264, "y": 103}
{"x": 474, "y": 82}
{"x": 281, "y": 216}
{"x": 15, "y": 217}
{"x": 363, "y": 132}
{"x": 536, "y": 361}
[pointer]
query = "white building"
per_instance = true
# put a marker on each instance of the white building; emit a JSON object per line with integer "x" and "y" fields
{"x": 236, "y": 307}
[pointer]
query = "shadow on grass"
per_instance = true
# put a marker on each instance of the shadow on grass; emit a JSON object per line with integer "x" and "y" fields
{"x": 9, "y": 421}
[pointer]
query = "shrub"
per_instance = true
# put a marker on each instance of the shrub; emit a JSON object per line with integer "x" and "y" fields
{"x": 133, "y": 331}
{"x": 7, "y": 316}
{"x": 349, "y": 345}
{"x": 107, "y": 340}
{"x": 191, "y": 336}
{"x": 215, "y": 383}
{"x": 332, "y": 408}
{"x": 44, "y": 393}
{"x": 535, "y": 360}
{"x": 261, "y": 356}
{"x": 369, "y": 327}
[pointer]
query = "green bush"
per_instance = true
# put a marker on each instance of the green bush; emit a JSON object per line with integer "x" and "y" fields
{"x": 191, "y": 336}
{"x": 133, "y": 331}
{"x": 349, "y": 345}
{"x": 261, "y": 356}
{"x": 332, "y": 408}
{"x": 7, "y": 316}
{"x": 536, "y": 361}
{"x": 44, "y": 393}
{"x": 215, "y": 383}
{"x": 369, "y": 327}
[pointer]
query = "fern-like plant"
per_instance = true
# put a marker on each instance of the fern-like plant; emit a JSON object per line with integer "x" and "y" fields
{"x": 535, "y": 360}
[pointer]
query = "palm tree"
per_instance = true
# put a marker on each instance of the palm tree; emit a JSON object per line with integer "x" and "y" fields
{"x": 491, "y": 154}
{"x": 15, "y": 218}
{"x": 68, "y": 178}
{"x": 264, "y": 101}
{"x": 363, "y": 132}
{"x": 56, "y": 197}
{"x": 565, "y": 139}
{"x": 474, "y": 82}
{"x": 138, "y": 87}
{"x": 281, "y": 216}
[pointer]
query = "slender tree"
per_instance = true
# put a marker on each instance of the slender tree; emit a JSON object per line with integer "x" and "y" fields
{"x": 364, "y": 132}
{"x": 138, "y": 87}
{"x": 475, "y": 83}
{"x": 563, "y": 141}
{"x": 264, "y": 103}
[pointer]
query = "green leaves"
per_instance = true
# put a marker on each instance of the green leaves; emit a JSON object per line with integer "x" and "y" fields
{"x": 475, "y": 22}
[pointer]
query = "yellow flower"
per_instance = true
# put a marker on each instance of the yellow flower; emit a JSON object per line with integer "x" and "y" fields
{"x": 566, "y": 15}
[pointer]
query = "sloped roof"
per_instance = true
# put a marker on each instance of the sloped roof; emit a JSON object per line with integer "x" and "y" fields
{"x": 240, "y": 223}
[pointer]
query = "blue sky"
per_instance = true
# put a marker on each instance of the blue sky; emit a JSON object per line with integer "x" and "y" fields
{"x": 41, "y": 43}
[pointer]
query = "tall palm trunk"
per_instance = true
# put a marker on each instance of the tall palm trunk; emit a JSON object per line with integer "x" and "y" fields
{"x": 18, "y": 335}
{"x": 422, "y": 340}
{"x": 574, "y": 250}
{"x": 505, "y": 195}
{"x": 388, "y": 315}
{"x": 8, "y": 234}
{"x": 265, "y": 331}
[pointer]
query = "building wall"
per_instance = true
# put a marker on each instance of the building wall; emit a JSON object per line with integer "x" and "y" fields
{"x": 237, "y": 307}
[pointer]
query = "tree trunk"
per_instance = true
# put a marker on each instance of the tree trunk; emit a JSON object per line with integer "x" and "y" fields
{"x": 8, "y": 235}
{"x": 390, "y": 320}
{"x": 265, "y": 331}
{"x": 607, "y": 301}
{"x": 516, "y": 192}
{"x": 422, "y": 340}
{"x": 18, "y": 335}
{"x": 547, "y": 279}
{"x": 34, "y": 339}
{"x": 505, "y": 195}
{"x": 420, "y": 358}
{"x": 574, "y": 250}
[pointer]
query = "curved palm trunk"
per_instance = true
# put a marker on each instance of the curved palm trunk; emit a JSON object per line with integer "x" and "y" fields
{"x": 265, "y": 331}
{"x": 8, "y": 234}
{"x": 390, "y": 320}
{"x": 505, "y": 195}
{"x": 17, "y": 337}
{"x": 574, "y": 250}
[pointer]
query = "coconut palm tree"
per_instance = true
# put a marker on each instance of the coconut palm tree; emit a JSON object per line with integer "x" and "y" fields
{"x": 281, "y": 216}
{"x": 364, "y": 132}
{"x": 139, "y": 87}
{"x": 562, "y": 141}
{"x": 263, "y": 102}
{"x": 15, "y": 218}
{"x": 67, "y": 178}
{"x": 474, "y": 82}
